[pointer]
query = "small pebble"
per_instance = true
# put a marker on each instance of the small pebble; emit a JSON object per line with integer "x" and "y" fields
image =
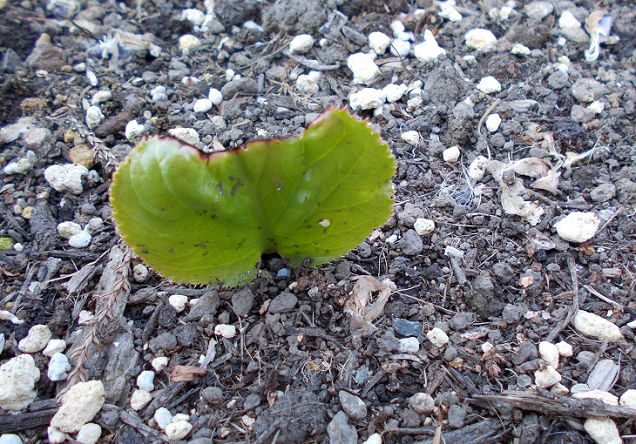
{"x": 578, "y": 226}
{"x": 628, "y": 399}
{"x": 451, "y": 155}
{"x": 492, "y": 122}
{"x": 162, "y": 417}
{"x": 225, "y": 330}
{"x": 101, "y": 97}
{"x": 564, "y": 349}
{"x": 489, "y": 85}
{"x": 58, "y": 367}
{"x": 408, "y": 345}
{"x": 66, "y": 177}
{"x": 140, "y": 273}
{"x": 428, "y": 50}
{"x": 145, "y": 380}
{"x": 438, "y": 337}
{"x": 423, "y": 226}
{"x": 603, "y": 192}
{"x": 159, "y": 363}
{"x": 364, "y": 69}
{"x": 178, "y": 301}
{"x": 94, "y": 116}
{"x": 89, "y": 433}
{"x": 133, "y": 130}
{"x": 10, "y": 438}
{"x": 308, "y": 83}
{"x": 593, "y": 325}
{"x": 68, "y": 229}
{"x": 379, "y": 42}
{"x": 601, "y": 395}
{"x": 376, "y": 438}
{"x": 178, "y": 430}
{"x": 80, "y": 240}
{"x": 422, "y": 403}
{"x": 193, "y": 15}
{"x": 546, "y": 377}
{"x": 36, "y": 340}
{"x": 602, "y": 430}
{"x": 411, "y": 137}
{"x": 187, "y": 135}
{"x": 367, "y": 98}
{"x": 140, "y": 399}
{"x": 54, "y": 346}
{"x": 215, "y": 96}
{"x": 549, "y": 353}
{"x": 519, "y": 49}
{"x": 352, "y": 405}
{"x": 202, "y": 106}
{"x": 55, "y": 436}
{"x": 189, "y": 43}
{"x": 400, "y": 48}
{"x": 394, "y": 92}
{"x": 407, "y": 328}
{"x": 21, "y": 166}
{"x": 480, "y": 39}
{"x": 301, "y": 44}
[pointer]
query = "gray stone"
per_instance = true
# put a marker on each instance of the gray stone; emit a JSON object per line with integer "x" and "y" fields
{"x": 285, "y": 301}
{"x": 482, "y": 297}
{"x": 524, "y": 381}
{"x": 409, "y": 214}
{"x": 582, "y": 114}
{"x": 603, "y": 192}
{"x": 527, "y": 352}
{"x": 294, "y": 16}
{"x": 45, "y": 55}
{"x": 165, "y": 341}
{"x": 512, "y": 313}
{"x": 558, "y": 79}
{"x": 603, "y": 375}
{"x": 588, "y": 90}
{"x": 252, "y": 401}
{"x": 456, "y": 416}
{"x": 229, "y": 12}
{"x": 450, "y": 353}
{"x": 538, "y": 10}
{"x": 411, "y": 243}
{"x": 422, "y": 403}
{"x": 241, "y": 86}
{"x": 461, "y": 320}
{"x": 626, "y": 190}
{"x": 212, "y": 395}
{"x": 205, "y": 306}
{"x": 340, "y": 431}
{"x": 503, "y": 271}
{"x": 352, "y": 405}
{"x": 186, "y": 334}
{"x": 242, "y": 302}
{"x": 407, "y": 328}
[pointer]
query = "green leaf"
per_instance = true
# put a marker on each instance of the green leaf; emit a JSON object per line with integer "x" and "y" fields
{"x": 207, "y": 218}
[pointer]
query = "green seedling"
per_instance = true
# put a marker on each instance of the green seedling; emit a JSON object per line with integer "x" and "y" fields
{"x": 206, "y": 218}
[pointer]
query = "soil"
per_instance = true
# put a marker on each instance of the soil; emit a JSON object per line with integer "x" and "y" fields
{"x": 493, "y": 282}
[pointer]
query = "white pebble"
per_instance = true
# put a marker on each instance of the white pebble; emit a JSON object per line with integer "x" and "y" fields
{"x": 140, "y": 399}
{"x": 428, "y": 50}
{"x": 54, "y": 346}
{"x": 140, "y": 273}
{"x": 89, "y": 433}
{"x": 85, "y": 316}
{"x": 194, "y": 16}
{"x": 159, "y": 363}
{"x": 480, "y": 39}
{"x": 549, "y": 353}
{"x": 628, "y": 399}
{"x": 477, "y": 168}
{"x": 546, "y": 377}
{"x": 215, "y": 96}
{"x": 180, "y": 417}
{"x": 602, "y": 430}
{"x": 202, "y": 106}
{"x": 364, "y": 69}
{"x": 492, "y": 122}
{"x": 178, "y": 430}
{"x": 408, "y": 345}
{"x": 438, "y": 337}
{"x": 593, "y": 325}
{"x": 411, "y": 137}
{"x": 36, "y": 340}
{"x": 519, "y": 49}
{"x": 376, "y": 438}
{"x": 80, "y": 240}
{"x": 308, "y": 83}
{"x": 367, "y": 98}
{"x": 162, "y": 417}
{"x": 601, "y": 395}
{"x": 578, "y": 226}
{"x": 564, "y": 349}
{"x": 218, "y": 123}
{"x": 489, "y": 85}
{"x": 188, "y": 43}
{"x": 451, "y": 155}
{"x": 397, "y": 27}
{"x": 596, "y": 107}
{"x": 66, "y": 177}
{"x": 225, "y": 330}
{"x": 101, "y": 97}
{"x": 158, "y": 94}
{"x": 400, "y": 48}
{"x": 133, "y": 130}
{"x": 58, "y": 367}
{"x": 379, "y": 42}
{"x": 55, "y": 436}
{"x": 447, "y": 10}
{"x": 10, "y": 438}
{"x": 178, "y": 302}
{"x": 21, "y": 166}
{"x": 94, "y": 116}
{"x": 424, "y": 226}
{"x": 187, "y": 135}
{"x": 394, "y": 92}
{"x": 68, "y": 229}
{"x": 94, "y": 224}
{"x": 568, "y": 21}
{"x": 301, "y": 44}
{"x": 145, "y": 380}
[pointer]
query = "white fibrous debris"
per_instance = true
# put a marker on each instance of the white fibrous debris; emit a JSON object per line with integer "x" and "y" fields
{"x": 451, "y": 155}
{"x": 480, "y": 39}
{"x": 411, "y": 137}
{"x": 400, "y": 48}
{"x": 301, "y": 44}
{"x": 578, "y": 226}
{"x": 428, "y": 50}
{"x": 394, "y": 92}
{"x": 379, "y": 42}
{"x": 602, "y": 430}
{"x": 489, "y": 85}
{"x": 308, "y": 83}
{"x": 133, "y": 130}
{"x": 367, "y": 98}
{"x": 187, "y": 135}
{"x": 438, "y": 337}
{"x": 492, "y": 122}
{"x": 189, "y": 43}
{"x": 364, "y": 69}
{"x": 424, "y": 226}
{"x": 21, "y": 166}
{"x": 593, "y": 325}
{"x": 94, "y": 116}
{"x": 202, "y": 106}
{"x": 215, "y": 96}
{"x": 448, "y": 11}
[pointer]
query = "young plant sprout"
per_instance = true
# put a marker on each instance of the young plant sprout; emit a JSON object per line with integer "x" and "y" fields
{"x": 206, "y": 218}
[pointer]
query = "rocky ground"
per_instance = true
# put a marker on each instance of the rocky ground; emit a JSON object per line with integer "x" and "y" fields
{"x": 508, "y": 264}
